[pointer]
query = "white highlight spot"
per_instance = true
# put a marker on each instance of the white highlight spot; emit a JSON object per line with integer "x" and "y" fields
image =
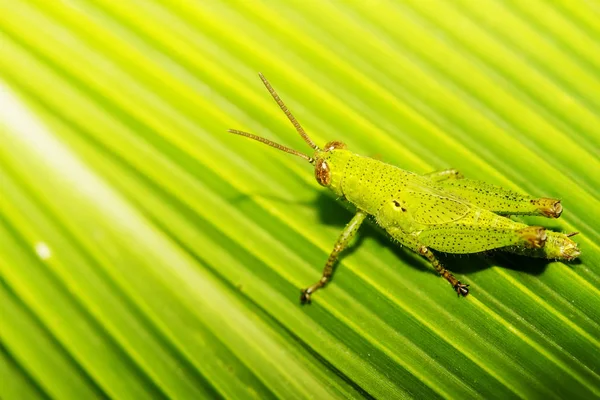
{"x": 42, "y": 250}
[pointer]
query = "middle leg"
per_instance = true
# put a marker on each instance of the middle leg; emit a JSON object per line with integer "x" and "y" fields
{"x": 412, "y": 242}
{"x": 460, "y": 288}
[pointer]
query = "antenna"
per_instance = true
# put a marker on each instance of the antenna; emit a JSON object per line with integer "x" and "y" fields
{"x": 272, "y": 144}
{"x": 292, "y": 119}
{"x": 287, "y": 112}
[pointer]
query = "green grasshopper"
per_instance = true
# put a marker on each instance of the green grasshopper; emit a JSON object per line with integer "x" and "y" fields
{"x": 439, "y": 211}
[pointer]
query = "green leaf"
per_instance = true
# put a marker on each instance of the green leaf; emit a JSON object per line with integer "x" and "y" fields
{"x": 147, "y": 253}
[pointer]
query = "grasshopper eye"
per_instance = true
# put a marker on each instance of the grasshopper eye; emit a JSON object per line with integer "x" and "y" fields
{"x": 322, "y": 173}
{"x": 335, "y": 144}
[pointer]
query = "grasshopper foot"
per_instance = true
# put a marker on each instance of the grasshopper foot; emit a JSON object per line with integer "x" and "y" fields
{"x": 305, "y": 296}
{"x": 305, "y": 293}
{"x": 461, "y": 289}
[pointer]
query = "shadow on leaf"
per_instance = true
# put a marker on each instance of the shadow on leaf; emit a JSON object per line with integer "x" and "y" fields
{"x": 338, "y": 213}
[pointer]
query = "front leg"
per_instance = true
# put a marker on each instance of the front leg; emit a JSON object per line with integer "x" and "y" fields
{"x": 342, "y": 242}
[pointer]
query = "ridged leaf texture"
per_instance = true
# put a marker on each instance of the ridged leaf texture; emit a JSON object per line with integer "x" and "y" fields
{"x": 147, "y": 253}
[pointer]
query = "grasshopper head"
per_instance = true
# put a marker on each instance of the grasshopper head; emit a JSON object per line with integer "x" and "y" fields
{"x": 323, "y": 161}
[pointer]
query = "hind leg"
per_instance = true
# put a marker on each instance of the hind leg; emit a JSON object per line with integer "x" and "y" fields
{"x": 466, "y": 239}
{"x": 499, "y": 200}
{"x": 558, "y": 246}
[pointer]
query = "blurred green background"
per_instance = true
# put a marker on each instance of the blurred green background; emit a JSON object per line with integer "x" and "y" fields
{"x": 147, "y": 253}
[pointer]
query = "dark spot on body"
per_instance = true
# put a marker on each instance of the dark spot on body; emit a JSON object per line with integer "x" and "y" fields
{"x": 397, "y": 204}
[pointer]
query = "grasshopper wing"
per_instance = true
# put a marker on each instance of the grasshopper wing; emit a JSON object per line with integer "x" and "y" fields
{"x": 431, "y": 206}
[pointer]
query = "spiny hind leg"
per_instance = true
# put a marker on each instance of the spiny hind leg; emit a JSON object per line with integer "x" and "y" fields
{"x": 499, "y": 200}
{"x": 342, "y": 242}
{"x": 494, "y": 198}
{"x": 465, "y": 239}
{"x": 558, "y": 246}
{"x": 459, "y": 287}
{"x": 445, "y": 174}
